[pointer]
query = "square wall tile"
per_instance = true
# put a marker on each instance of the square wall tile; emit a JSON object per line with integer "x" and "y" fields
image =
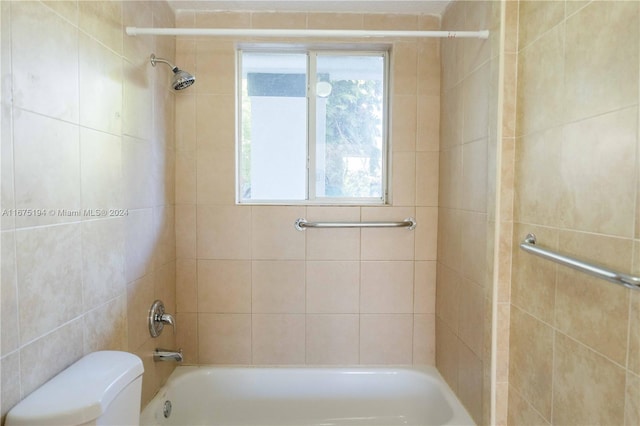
{"x": 140, "y": 296}
{"x": 589, "y": 309}
{"x": 137, "y": 169}
{"x": 424, "y": 339}
{"x": 185, "y": 176}
{"x": 63, "y": 347}
{"x": 531, "y": 360}
{"x": 476, "y": 104}
{"x": 448, "y": 287}
{"x": 333, "y": 244}
{"x": 223, "y": 232}
{"x": 474, "y": 176}
{"x": 216, "y": 175}
{"x": 538, "y": 300}
{"x": 334, "y": 21}
{"x": 581, "y": 375}
{"x": 332, "y": 339}
{"x": 278, "y": 287}
{"x": 101, "y": 335}
{"x": 386, "y": 287}
{"x": 7, "y": 196}
{"x": 224, "y": 286}
{"x": 46, "y": 147}
{"x": 520, "y": 412}
{"x": 538, "y": 17}
{"x": 101, "y": 171}
{"x": 474, "y": 249}
{"x": 224, "y": 338}
{"x": 540, "y": 83}
{"x": 634, "y": 334}
{"x": 403, "y": 123}
{"x": 428, "y": 131}
{"x": 471, "y": 320}
{"x": 404, "y": 68}
{"x": 139, "y": 243}
{"x": 538, "y": 171}
{"x": 137, "y": 14}
{"x": 387, "y": 244}
{"x": 404, "y": 179}
{"x": 215, "y": 120}
{"x": 386, "y": 339}
{"x": 186, "y": 226}
{"x": 601, "y": 59}
{"x": 470, "y": 381}
{"x": 101, "y": 78}
{"x": 42, "y": 59}
{"x": 103, "y": 251}
{"x": 137, "y": 96}
{"x": 186, "y": 285}
{"x": 426, "y": 233}
{"x": 274, "y": 235}
{"x": 103, "y": 21}
{"x": 332, "y": 287}
{"x": 278, "y": 20}
{"x": 450, "y": 178}
{"x": 49, "y": 265}
{"x": 9, "y": 328}
{"x": 447, "y": 353}
{"x": 602, "y": 168}
{"x": 424, "y": 290}
{"x": 427, "y": 170}
{"x": 187, "y": 337}
{"x": 632, "y": 402}
{"x": 10, "y": 376}
{"x": 278, "y": 339}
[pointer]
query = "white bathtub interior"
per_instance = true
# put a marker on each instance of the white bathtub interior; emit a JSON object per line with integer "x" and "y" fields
{"x": 282, "y": 396}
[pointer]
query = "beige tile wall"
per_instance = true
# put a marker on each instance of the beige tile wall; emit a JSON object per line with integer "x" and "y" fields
{"x": 252, "y": 288}
{"x": 467, "y": 207}
{"x": 87, "y": 123}
{"x": 574, "y": 339}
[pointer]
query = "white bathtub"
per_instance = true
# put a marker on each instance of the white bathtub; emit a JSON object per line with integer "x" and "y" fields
{"x": 305, "y": 396}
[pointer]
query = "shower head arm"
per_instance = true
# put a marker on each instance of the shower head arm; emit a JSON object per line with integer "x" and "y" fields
{"x": 155, "y": 60}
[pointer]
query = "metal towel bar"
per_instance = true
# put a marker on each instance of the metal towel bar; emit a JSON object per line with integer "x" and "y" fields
{"x": 629, "y": 281}
{"x": 409, "y": 223}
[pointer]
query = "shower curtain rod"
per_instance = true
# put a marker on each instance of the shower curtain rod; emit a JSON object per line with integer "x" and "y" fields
{"x": 236, "y": 32}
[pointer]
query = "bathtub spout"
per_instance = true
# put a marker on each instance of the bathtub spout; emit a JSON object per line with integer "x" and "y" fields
{"x": 167, "y": 355}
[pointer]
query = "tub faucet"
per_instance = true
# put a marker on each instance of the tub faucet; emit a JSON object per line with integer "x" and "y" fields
{"x": 158, "y": 318}
{"x": 168, "y": 319}
{"x": 167, "y": 355}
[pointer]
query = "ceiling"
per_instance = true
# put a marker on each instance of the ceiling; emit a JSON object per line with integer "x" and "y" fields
{"x": 426, "y": 7}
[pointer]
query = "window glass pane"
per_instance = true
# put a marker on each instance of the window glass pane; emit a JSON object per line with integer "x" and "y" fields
{"x": 349, "y": 126}
{"x": 273, "y": 148}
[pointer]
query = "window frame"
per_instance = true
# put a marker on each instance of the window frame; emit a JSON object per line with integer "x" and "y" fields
{"x": 312, "y": 53}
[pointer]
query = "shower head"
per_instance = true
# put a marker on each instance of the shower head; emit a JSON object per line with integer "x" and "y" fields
{"x": 181, "y": 79}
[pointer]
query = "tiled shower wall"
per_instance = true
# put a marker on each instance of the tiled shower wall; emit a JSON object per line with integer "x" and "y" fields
{"x": 87, "y": 123}
{"x": 575, "y": 340}
{"x": 251, "y": 289}
{"x": 467, "y": 207}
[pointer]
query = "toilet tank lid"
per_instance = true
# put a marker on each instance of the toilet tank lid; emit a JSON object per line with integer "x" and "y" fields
{"x": 80, "y": 393}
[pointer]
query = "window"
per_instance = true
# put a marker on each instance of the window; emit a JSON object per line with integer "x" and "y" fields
{"x": 312, "y": 127}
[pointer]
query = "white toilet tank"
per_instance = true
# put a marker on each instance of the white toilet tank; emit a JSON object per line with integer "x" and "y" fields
{"x": 103, "y": 388}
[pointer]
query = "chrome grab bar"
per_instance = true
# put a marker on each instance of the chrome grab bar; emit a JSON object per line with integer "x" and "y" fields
{"x": 409, "y": 223}
{"x": 629, "y": 281}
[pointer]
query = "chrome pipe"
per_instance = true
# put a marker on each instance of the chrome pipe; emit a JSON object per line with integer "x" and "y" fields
{"x": 629, "y": 281}
{"x": 257, "y": 32}
{"x": 410, "y": 223}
